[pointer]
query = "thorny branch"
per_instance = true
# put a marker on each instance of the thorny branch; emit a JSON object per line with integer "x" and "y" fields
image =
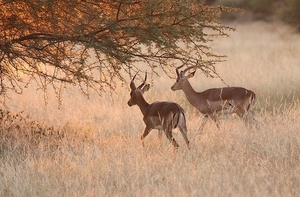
{"x": 96, "y": 44}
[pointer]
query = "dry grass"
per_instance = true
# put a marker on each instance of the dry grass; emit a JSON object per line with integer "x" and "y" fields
{"x": 92, "y": 147}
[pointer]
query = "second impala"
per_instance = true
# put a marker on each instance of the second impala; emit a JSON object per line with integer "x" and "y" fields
{"x": 209, "y": 102}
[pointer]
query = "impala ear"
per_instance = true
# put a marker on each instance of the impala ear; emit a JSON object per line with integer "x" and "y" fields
{"x": 145, "y": 88}
{"x": 191, "y": 74}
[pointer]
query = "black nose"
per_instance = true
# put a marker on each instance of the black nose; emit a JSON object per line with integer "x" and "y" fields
{"x": 129, "y": 104}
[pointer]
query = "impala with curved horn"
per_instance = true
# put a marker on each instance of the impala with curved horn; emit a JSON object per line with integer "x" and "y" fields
{"x": 164, "y": 116}
{"x": 209, "y": 102}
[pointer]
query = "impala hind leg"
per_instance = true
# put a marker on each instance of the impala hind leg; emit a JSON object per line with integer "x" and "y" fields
{"x": 160, "y": 134}
{"x": 183, "y": 131}
{"x": 248, "y": 120}
{"x": 171, "y": 138}
{"x": 146, "y": 132}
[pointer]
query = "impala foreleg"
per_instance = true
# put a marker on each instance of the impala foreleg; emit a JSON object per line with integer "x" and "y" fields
{"x": 204, "y": 121}
{"x": 214, "y": 117}
{"x": 146, "y": 132}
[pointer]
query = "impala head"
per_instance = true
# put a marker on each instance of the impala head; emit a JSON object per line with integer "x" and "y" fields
{"x": 137, "y": 92}
{"x": 181, "y": 78}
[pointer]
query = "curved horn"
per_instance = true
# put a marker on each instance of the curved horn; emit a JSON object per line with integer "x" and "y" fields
{"x": 188, "y": 68}
{"x": 177, "y": 69}
{"x": 132, "y": 85}
{"x": 184, "y": 71}
{"x": 140, "y": 86}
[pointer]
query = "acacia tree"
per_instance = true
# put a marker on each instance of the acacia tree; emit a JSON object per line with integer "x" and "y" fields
{"x": 94, "y": 43}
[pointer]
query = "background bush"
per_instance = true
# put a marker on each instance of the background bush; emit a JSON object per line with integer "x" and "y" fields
{"x": 287, "y": 11}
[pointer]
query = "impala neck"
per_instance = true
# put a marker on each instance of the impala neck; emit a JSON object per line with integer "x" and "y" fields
{"x": 190, "y": 93}
{"x": 142, "y": 103}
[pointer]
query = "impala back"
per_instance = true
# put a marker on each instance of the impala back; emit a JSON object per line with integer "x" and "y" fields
{"x": 229, "y": 99}
{"x": 160, "y": 114}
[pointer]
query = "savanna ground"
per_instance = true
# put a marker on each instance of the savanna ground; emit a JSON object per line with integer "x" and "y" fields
{"x": 93, "y": 148}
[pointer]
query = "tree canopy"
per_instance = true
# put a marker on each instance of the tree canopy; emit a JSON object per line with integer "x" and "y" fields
{"x": 94, "y": 43}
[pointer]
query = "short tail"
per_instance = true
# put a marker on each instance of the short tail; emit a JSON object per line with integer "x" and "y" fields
{"x": 252, "y": 101}
{"x": 177, "y": 117}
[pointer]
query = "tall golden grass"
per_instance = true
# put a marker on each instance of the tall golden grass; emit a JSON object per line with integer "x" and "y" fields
{"x": 92, "y": 147}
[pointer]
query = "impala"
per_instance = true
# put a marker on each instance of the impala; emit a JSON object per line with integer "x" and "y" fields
{"x": 164, "y": 116}
{"x": 209, "y": 102}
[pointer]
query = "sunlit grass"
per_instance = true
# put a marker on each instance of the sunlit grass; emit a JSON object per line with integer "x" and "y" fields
{"x": 93, "y": 148}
